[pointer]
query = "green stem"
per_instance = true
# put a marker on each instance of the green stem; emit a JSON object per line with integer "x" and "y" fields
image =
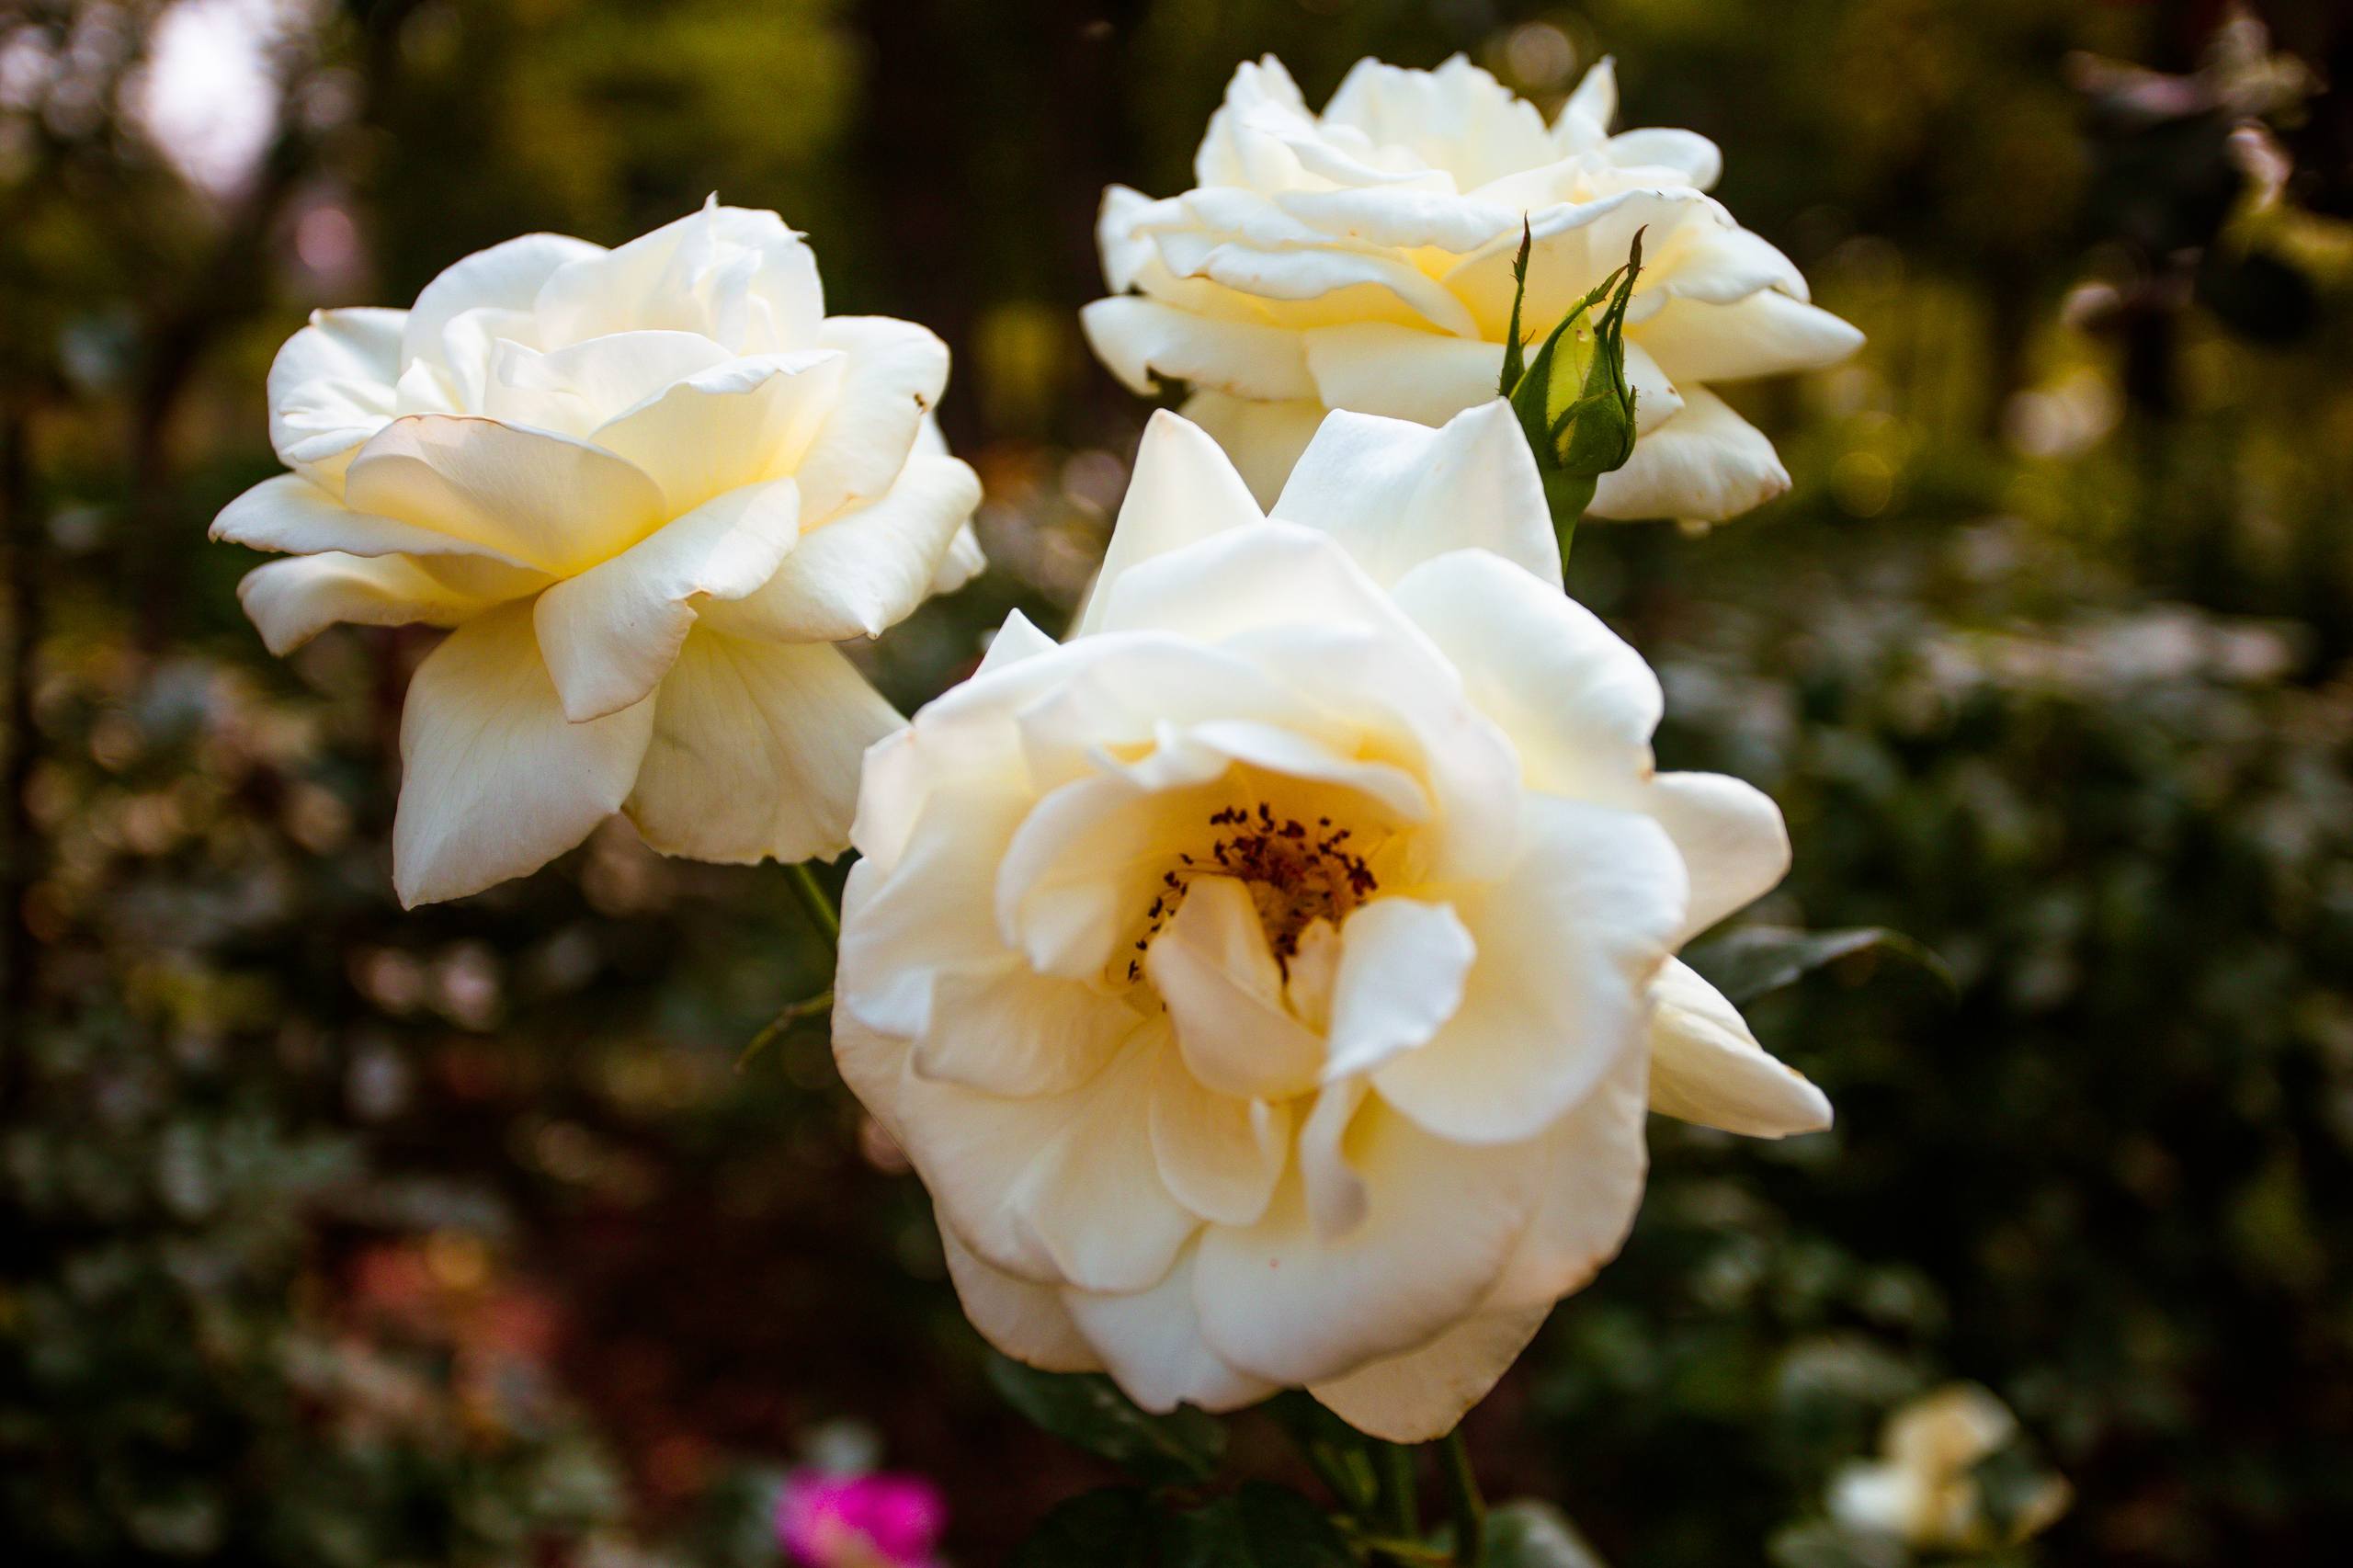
{"x": 1400, "y": 1512}
{"x": 1462, "y": 1496}
{"x": 1403, "y": 1554}
{"x": 788, "y": 1016}
{"x": 817, "y": 902}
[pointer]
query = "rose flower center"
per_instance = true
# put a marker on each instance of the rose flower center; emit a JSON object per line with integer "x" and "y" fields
{"x": 1298, "y": 871}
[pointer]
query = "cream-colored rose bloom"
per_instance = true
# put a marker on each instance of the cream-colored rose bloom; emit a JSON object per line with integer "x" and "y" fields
{"x": 1268, "y": 982}
{"x": 1924, "y": 1491}
{"x": 649, "y": 487}
{"x": 1362, "y": 259}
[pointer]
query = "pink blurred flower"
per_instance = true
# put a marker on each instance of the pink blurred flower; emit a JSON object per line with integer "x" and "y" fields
{"x": 829, "y": 1520}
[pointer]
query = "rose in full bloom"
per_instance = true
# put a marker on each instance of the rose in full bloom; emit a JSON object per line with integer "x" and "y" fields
{"x": 1362, "y": 259}
{"x": 649, "y": 487}
{"x": 1926, "y": 1489}
{"x": 859, "y": 1521}
{"x": 1268, "y": 980}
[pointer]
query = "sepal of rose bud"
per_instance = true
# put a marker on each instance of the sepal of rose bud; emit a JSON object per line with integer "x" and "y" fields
{"x": 1573, "y": 399}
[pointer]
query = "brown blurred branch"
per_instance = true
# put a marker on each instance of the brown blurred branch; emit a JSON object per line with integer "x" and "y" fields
{"x": 231, "y": 285}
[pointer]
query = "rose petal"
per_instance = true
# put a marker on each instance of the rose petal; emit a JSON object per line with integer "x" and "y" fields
{"x": 1263, "y": 439}
{"x": 1767, "y": 334}
{"x": 1143, "y": 342}
{"x": 754, "y": 751}
{"x": 1559, "y": 994}
{"x": 1418, "y": 1397}
{"x": 1286, "y": 1301}
{"x": 1151, "y": 1342}
{"x": 331, "y": 388}
{"x": 1707, "y": 1067}
{"x": 1399, "y": 979}
{"x": 1578, "y": 703}
{"x": 864, "y": 571}
{"x": 1729, "y": 834}
{"x": 1219, "y": 1154}
{"x": 529, "y": 496}
{"x": 1707, "y": 462}
{"x": 292, "y": 601}
{"x": 895, "y": 373}
{"x": 1210, "y": 964}
{"x": 494, "y": 781}
{"x": 292, "y": 515}
{"x": 611, "y": 633}
{"x": 1396, "y": 494}
{"x": 1025, "y": 1320}
{"x": 1182, "y": 489}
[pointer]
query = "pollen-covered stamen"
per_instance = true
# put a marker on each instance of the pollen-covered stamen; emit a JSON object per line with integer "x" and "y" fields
{"x": 1297, "y": 874}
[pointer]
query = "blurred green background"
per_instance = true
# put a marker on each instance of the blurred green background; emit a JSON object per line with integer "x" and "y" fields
{"x": 337, "y": 1237}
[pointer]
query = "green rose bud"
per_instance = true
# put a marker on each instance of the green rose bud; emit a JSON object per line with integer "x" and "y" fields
{"x": 1573, "y": 399}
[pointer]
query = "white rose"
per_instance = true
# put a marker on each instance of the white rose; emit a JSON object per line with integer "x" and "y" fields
{"x": 1362, "y": 259}
{"x": 1267, "y": 981}
{"x": 649, "y": 487}
{"x": 1925, "y": 1491}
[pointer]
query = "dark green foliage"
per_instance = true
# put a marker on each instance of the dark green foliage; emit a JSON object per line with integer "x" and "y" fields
{"x": 1747, "y": 962}
{"x": 1116, "y": 1525}
{"x": 1089, "y": 1410}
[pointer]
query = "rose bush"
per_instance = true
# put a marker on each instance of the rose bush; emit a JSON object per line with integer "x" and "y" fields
{"x": 1268, "y": 981}
{"x": 649, "y": 487}
{"x": 1362, "y": 259}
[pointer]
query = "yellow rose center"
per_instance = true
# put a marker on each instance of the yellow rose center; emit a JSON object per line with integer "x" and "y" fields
{"x": 1299, "y": 870}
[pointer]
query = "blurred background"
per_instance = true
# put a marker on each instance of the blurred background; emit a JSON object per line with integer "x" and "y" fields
{"x": 338, "y": 1236}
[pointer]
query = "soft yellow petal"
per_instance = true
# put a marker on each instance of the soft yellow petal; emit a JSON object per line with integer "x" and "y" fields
{"x": 611, "y": 633}
{"x": 1182, "y": 489}
{"x": 754, "y": 751}
{"x": 292, "y": 601}
{"x": 1395, "y": 493}
{"x": 1219, "y": 1154}
{"x": 1402, "y": 963}
{"x": 1286, "y": 1302}
{"x": 1021, "y": 1317}
{"x": 1734, "y": 846}
{"x": 742, "y": 422}
{"x": 1707, "y": 462}
{"x": 1578, "y": 703}
{"x": 1559, "y": 994}
{"x": 331, "y": 388}
{"x": 1264, "y": 440}
{"x": 494, "y": 781}
{"x": 1145, "y": 342}
{"x": 866, "y": 569}
{"x": 291, "y": 516}
{"x": 895, "y": 375}
{"x": 1707, "y": 1067}
{"x": 996, "y": 1027}
{"x": 1210, "y": 964}
{"x": 1418, "y": 1397}
{"x": 1151, "y": 1342}
{"x": 529, "y": 496}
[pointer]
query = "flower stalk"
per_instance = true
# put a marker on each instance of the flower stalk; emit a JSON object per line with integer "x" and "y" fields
{"x": 1400, "y": 1511}
{"x": 1469, "y": 1509}
{"x": 817, "y": 903}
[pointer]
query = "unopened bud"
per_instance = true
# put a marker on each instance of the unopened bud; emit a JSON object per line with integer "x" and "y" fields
{"x": 1572, "y": 398}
